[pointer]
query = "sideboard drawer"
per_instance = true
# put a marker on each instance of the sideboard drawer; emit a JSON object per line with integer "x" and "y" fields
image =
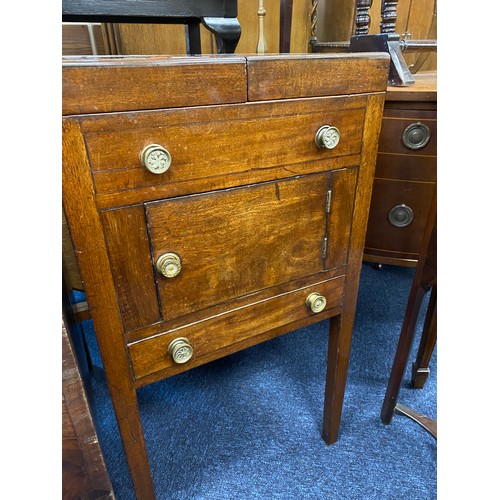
{"x": 218, "y": 142}
{"x": 234, "y": 330}
{"x": 414, "y": 136}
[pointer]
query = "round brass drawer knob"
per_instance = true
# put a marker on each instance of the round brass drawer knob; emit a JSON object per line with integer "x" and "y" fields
{"x": 156, "y": 158}
{"x": 327, "y": 137}
{"x": 400, "y": 215}
{"x": 169, "y": 264}
{"x": 181, "y": 351}
{"x": 416, "y": 136}
{"x": 316, "y": 302}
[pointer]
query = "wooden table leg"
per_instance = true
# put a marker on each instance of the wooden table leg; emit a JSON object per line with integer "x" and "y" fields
{"x": 420, "y": 367}
{"x": 425, "y": 277}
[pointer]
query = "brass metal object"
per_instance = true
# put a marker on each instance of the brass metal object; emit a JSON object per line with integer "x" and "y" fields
{"x": 400, "y": 215}
{"x": 169, "y": 265}
{"x": 156, "y": 158}
{"x": 327, "y": 137}
{"x": 416, "y": 136}
{"x": 181, "y": 351}
{"x": 316, "y": 302}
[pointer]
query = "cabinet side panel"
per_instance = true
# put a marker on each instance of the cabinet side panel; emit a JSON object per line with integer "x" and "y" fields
{"x": 128, "y": 247}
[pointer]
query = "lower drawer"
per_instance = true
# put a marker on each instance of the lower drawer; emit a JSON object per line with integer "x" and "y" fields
{"x": 398, "y": 214}
{"x": 234, "y": 330}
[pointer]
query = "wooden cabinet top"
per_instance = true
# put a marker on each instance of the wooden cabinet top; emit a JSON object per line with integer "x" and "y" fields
{"x": 132, "y": 83}
{"x": 424, "y": 89}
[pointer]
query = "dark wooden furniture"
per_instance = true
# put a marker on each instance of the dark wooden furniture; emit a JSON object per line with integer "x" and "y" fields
{"x": 425, "y": 279}
{"x": 212, "y": 208}
{"x": 84, "y": 473}
{"x": 219, "y": 16}
{"x": 405, "y": 175}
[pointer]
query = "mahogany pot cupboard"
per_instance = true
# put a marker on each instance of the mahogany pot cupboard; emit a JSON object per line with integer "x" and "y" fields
{"x": 215, "y": 203}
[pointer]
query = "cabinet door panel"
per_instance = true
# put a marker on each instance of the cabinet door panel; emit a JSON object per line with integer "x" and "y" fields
{"x": 238, "y": 241}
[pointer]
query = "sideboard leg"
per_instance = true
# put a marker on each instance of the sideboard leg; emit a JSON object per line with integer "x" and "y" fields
{"x": 339, "y": 345}
{"x": 129, "y": 424}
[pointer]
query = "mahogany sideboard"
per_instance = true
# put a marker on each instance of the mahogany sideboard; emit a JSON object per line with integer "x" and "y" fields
{"x": 405, "y": 175}
{"x": 215, "y": 203}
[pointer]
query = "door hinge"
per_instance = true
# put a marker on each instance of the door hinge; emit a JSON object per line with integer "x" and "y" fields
{"x": 325, "y": 248}
{"x": 328, "y": 206}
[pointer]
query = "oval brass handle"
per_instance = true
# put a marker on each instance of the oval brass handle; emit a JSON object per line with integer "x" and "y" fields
{"x": 169, "y": 264}
{"x": 156, "y": 158}
{"x": 181, "y": 351}
{"x": 316, "y": 302}
{"x": 327, "y": 137}
{"x": 416, "y": 136}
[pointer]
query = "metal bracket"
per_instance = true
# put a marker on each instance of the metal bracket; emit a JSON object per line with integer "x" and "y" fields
{"x": 399, "y": 74}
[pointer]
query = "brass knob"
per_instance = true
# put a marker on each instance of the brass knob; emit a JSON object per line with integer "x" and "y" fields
{"x": 181, "y": 351}
{"x": 169, "y": 264}
{"x": 156, "y": 158}
{"x": 400, "y": 215}
{"x": 316, "y": 302}
{"x": 416, "y": 136}
{"x": 327, "y": 137}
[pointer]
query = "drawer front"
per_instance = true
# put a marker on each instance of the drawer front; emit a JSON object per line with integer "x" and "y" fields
{"x": 407, "y": 167}
{"x": 236, "y": 242}
{"x": 404, "y": 234}
{"x": 419, "y": 135}
{"x": 234, "y": 330}
{"x": 218, "y": 141}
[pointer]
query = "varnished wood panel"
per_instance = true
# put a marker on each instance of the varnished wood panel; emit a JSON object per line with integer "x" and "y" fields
{"x": 239, "y": 241}
{"x": 128, "y": 248}
{"x": 230, "y": 329}
{"x": 150, "y": 83}
{"x": 278, "y": 77}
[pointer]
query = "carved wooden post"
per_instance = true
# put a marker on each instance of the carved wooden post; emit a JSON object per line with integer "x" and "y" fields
{"x": 389, "y": 16}
{"x": 387, "y": 40}
{"x": 261, "y": 40}
{"x": 363, "y": 16}
{"x": 314, "y": 20}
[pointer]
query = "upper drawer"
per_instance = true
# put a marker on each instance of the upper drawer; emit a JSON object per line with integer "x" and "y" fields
{"x": 413, "y": 136}
{"x": 218, "y": 142}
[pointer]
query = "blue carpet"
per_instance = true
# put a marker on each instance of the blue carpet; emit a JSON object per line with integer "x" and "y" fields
{"x": 249, "y": 426}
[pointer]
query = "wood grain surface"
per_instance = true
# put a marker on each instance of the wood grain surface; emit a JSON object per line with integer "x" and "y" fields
{"x": 290, "y": 76}
{"x": 232, "y": 331}
{"x": 244, "y": 204}
{"x": 126, "y": 84}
